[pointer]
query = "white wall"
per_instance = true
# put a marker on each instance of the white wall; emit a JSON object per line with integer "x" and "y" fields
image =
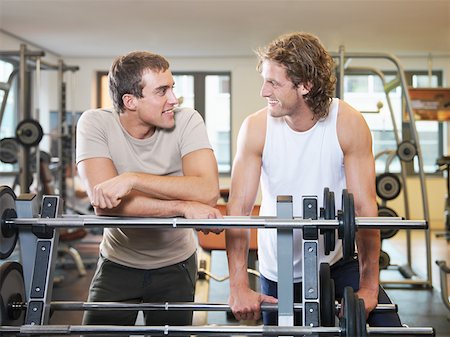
{"x": 245, "y": 100}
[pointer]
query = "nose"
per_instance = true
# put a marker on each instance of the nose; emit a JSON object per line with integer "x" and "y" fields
{"x": 172, "y": 98}
{"x": 265, "y": 90}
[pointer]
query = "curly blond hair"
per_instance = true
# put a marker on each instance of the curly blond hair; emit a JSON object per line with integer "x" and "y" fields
{"x": 306, "y": 61}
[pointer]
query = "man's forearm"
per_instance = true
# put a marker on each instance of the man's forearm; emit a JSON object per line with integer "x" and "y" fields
{"x": 368, "y": 241}
{"x": 237, "y": 242}
{"x": 139, "y": 205}
{"x": 189, "y": 188}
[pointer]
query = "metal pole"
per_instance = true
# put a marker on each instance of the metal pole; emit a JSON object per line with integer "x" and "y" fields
{"x": 341, "y": 72}
{"x": 226, "y": 222}
{"x": 178, "y": 306}
{"x": 204, "y": 329}
{"x": 285, "y": 254}
{"x": 24, "y": 152}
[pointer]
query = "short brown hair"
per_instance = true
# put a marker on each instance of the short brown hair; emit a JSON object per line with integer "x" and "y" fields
{"x": 125, "y": 75}
{"x": 306, "y": 61}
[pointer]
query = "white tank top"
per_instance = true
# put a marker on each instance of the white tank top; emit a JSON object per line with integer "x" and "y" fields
{"x": 299, "y": 164}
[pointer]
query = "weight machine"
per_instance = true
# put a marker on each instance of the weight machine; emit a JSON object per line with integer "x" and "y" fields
{"x": 407, "y": 149}
{"x": 29, "y": 132}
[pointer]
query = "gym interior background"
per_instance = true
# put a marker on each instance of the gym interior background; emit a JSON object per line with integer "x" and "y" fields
{"x": 210, "y": 47}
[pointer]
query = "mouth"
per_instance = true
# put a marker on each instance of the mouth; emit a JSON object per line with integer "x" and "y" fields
{"x": 272, "y": 102}
{"x": 168, "y": 112}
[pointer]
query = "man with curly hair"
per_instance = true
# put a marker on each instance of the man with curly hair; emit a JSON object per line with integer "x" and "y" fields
{"x": 303, "y": 141}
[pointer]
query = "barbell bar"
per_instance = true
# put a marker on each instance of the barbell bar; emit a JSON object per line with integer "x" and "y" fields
{"x": 226, "y": 222}
{"x": 205, "y": 329}
{"x": 345, "y": 221}
{"x": 167, "y": 306}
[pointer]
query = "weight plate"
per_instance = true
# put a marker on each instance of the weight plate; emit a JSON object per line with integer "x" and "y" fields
{"x": 388, "y": 186}
{"x": 348, "y": 320}
{"x": 385, "y": 260}
{"x": 9, "y": 149}
{"x": 387, "y": 233}
{"x": 361, "y": 327}
{"x": 406, "y": 151}
{"x": 29, "y": 132}
{"x": 12, "y": 289}
{"x": 349, "y": 225}
{"x": 8, "y": 235}
{"x": 327, "y": 299}
{"x": 329, "y": 214}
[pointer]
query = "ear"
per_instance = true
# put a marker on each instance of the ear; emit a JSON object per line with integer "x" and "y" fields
{"x": 304, "y": 88}
{"x": 129, "y": 102}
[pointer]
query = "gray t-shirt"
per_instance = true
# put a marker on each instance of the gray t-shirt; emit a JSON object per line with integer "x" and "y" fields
{"x": 100, "y": 134}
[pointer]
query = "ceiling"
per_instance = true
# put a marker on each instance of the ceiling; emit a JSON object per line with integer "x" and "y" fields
{"x": 217, "y": 28}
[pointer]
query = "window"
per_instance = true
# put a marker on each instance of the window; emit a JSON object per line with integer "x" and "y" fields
{"x": 366, "y": 93}
{"x": 7, "y": 92}
{"x": 207, "y": 92}
{"x": 210, "y": 95}
{"x": 8, "y": 100}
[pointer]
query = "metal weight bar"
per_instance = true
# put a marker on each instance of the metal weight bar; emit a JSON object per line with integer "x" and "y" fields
{"x": 18, "y": 306}
{"x": 32, "y": 330}
{"x": 73, "y": 221}
{"x": 345, "y": 223}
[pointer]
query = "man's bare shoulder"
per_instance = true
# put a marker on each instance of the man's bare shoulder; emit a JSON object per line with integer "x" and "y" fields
{"x": 253, "y": 132}
{"x": 349, "y": 117}
{"x": 257, "y": 119}
{"x": 352, "y": 128}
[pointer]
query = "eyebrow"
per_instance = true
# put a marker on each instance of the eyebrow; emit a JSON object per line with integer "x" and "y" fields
{"x": 163, "y": 87}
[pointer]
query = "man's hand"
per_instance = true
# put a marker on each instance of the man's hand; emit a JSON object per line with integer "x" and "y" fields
{"x": 109, "y": 193}
{"x": 370, "y": 298}
{"x": 246, "y": 303}
{"x": 197, "y": 210}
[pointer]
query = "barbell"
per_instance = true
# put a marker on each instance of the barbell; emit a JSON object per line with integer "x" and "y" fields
{"x": 12, "y": 303}
{"x": 345, "y": 222}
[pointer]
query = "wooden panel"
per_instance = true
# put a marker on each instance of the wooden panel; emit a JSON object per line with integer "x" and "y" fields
{"x": 213, "y": 241}
{"x": 430, "y": 103}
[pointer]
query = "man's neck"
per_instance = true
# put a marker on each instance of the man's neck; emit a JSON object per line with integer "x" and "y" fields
{"x": 136, "y": 128}
{"x": 302, "y": 120}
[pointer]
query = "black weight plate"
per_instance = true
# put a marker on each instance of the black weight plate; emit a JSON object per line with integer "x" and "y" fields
{"x": 385, "y": 260}
{"x": 29, "y": 132}
{"x": 361, "y": 327}
{"x": 385, "y": 212}
{"x": 349, "y": 225}
{"x": 388, "y": 186}
{"x": 327, "y": 300}
{"x": 9, "y": 150}
{"x": 8, "y": 236}
{"x": 406, "y": 151}
{"x": 348, "y": 320}
{"x": 329, "y": 214}
{"x": 12, "y": 288}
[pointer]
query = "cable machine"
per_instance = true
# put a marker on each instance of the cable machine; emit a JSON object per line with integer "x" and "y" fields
{"x": 404, "y": 148}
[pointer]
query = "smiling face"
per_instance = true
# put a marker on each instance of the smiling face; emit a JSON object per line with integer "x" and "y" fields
{"x": 156, "y": 106}
{"x": 283, "y": 97}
